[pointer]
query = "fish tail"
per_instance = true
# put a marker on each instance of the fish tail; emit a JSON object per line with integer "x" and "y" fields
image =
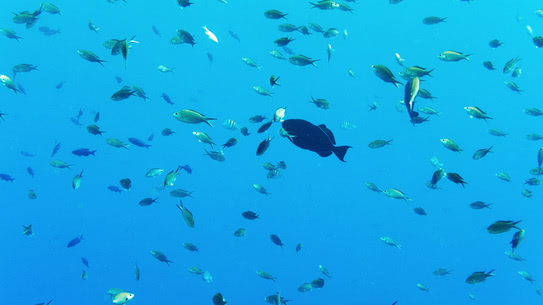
{"x": 209, "y": 119}
{"x": 340, "y": 151}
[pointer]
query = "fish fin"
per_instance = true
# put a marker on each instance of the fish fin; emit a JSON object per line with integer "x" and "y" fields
{"x": 207, "y": 121}
{"x": 340, "y": 151}
{"x": 324, "y": 153}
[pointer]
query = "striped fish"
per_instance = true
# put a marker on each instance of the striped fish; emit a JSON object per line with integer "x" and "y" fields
{"x": 229, "y": 124}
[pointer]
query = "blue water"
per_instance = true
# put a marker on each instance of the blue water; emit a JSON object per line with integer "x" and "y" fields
{"x": 320, "y": 202}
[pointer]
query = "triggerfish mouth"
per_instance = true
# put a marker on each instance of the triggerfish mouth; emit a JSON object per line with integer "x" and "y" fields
{"x": 312, "y": 137}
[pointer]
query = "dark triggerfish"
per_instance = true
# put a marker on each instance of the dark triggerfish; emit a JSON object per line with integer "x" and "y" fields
{"x": 312, "y": 137}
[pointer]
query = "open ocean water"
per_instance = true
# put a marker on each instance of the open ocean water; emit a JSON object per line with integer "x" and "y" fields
{"x": 319, "y": 202}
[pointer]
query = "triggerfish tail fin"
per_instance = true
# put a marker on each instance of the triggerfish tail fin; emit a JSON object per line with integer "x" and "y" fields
{"x": 340, "y": 151}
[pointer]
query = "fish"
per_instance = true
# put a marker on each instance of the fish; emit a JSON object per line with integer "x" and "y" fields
{"x": 273, "y": 81}
{"x": 456, "y": 178}
{"x": 30, "y": 171}
{"x": 422, "y": 287}
{"x": 240, "y": 232}
{"x": 511, "y": 64}
{"x": 125, "y": 183}
{"x": 325, "y": 271}
{"x": 385, "y": 75}
{"x": 6, "y": 177}
{"x": 305, "y": 287}
{"x": 234, "y": 35}
{"x": 210, "y": 34}
{"x": 167, "y": 98}
{"x": 410, "y": 93}
{"x": 85, "y": 262}
{"x": 389, "y": 241}
{"x": 379, "y": 143}
{"x": 215, "y": 155}
{"x": 90, "y": 56}
{"x": 186, "y": 168}
{"x": 206, "y": 276}
{"x": 60, "y": 164}
{"x": 480, "y": 153}
{"x": 302, "y": 60}
{"x": 147, "y": 201}
{"x": 441, "y": 272}
{"x": 230, "y": 124}
{"x": 218, "y": 299}
{"x": 180, "y": 193}
{"x": 396, "y": 194}
{"x": 263, "y": 146}
{"x": 317, "y": 283}
{"x": 192, "y": 117}
{"x": 251, "y": 62}
{"x": 262, "y": 91}
{"x": 453, "y": 56}
{"x": 187, "y": 215}
{"x": 311, "y": 137}
{"x": 122, "y": 298}
{"x": 27, "y": 154}
{"x": 276, "y": 299}
{"x": 76, "y": 182}
{"x": 276, "y": 240}
{"x": 190, "y": 246}
{"x": 114, "y": 189}
{"x": 161, "y": 257}
{"x": 137, "y": 273}
{"x": 477, "y": 205}
{"x": 274, "y": 14}
{"x": 283, "y": 41}
{"x": 430, "y": 20}
{"x": 75, "y": 241}
{"x": 479, "y": 276}
{"x": 138, "y": 142}
{"x": 539, "y": 159}
{"x": 83, "y": 152}
{"x": 502, "y": 226}
{"x": 27, "y": 230}
{"x": 265, "y": 275}
{"x": 514, "y": 256}
{"x": 527, "y": 276}
{"x": 517, "y": 238}
{"x": 420, "y": 211}
{"x": 259, "y": 188}
{"x": 92, "y": 27}
{"x": 56, "y": 148}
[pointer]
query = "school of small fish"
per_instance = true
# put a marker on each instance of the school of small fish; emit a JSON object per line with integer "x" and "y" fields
{"x": 98, "y": 70}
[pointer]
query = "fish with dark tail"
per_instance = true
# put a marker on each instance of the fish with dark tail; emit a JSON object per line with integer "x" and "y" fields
{"x": 312, "y": 137}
